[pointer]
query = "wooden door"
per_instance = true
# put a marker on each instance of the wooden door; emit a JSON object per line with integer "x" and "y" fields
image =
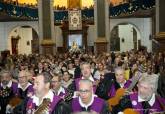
{"x": 14, "y": 44}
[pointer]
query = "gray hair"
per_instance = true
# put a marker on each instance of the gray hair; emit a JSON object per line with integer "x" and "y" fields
{"x": 47, "y": 77}
{"x": 86, "y": 81}
{"x": 5, "y": 72}
{"x": 119, "y": 69}
{"x": 151, "y": 80}
{"x": 58, "y": 75}
{"x": 85, "y": 63}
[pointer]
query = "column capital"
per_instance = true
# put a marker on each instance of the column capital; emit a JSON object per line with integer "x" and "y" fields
{"x": 160, "y": 35}
{"x": 47, "y": 42}
{"x": 101, "y": 45}
{"x": 101, "y": 40}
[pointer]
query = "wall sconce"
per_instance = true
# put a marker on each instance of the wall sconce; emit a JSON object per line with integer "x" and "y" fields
{"x": 28, "y": 43}
{"x": 122, "y": 40}
{"x": 150, "y": 37}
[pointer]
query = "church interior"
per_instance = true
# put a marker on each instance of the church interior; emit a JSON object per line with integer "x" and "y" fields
{"x": 101, "y": 45}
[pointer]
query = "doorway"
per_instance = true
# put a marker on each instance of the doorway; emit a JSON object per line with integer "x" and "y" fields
{"x": 125, "y": 37}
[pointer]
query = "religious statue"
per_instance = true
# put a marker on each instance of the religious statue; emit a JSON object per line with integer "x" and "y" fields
{"x": 74, "y": 48}
{"x": 74, "y": 45}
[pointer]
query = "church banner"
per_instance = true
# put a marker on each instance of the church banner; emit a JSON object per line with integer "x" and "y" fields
{"x": 75, "y": 20}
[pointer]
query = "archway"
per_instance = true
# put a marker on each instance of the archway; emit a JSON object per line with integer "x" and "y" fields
{"x": 124, "y": 37}
{"x": 23, "y": 40}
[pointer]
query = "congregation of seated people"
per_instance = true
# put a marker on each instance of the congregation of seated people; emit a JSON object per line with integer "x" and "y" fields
{"x": 109, "y": 83}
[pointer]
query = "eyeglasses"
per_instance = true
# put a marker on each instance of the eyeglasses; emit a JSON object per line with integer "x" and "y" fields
{"x": 54, "y": 81}
{"x": 84, "y": 91}
{"x": 22, "y": 77}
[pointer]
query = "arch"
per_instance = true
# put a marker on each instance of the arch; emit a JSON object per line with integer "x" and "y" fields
{"x": 124, "y": 22}
{"x": 11, "y": 27}
{"x": 143, "y": 25}
{"x": 118, "y": 40}
{"x": 22, "y": 38}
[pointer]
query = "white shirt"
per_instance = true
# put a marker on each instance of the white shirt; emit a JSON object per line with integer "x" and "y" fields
{"x": 90, "y": 78}
{"x": 66, "y": 84}
{"x": 71, "y": 71}
{"x": 86, "y": 105}
{"x": 49, "y": 95}
{"x": 8, "y": 85}
{"x": 151, "y": 101}
{"x": 96, "y": 74}
{"x": 122, "y": 84}
{"x": 61, "y": 90}
{"x": 28, "y": 84}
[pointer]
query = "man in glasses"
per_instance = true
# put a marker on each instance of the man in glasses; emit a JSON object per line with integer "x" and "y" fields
{"x": 87, "y": 100}
{"x": 24, "y": 91}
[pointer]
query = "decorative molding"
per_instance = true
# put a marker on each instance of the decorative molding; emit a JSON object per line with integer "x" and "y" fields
{"x": 101, "y": 45}
{"x": 48, "y": 42}
{"x": 28, "y": 13}
{"x": 159, "y": 39}
{"x": 101, "y": 40}
{"x": 160, "y": 35}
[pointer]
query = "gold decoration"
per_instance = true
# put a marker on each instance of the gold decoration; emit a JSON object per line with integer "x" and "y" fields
{"x": 160, "y": 35}
{"x": 47, "y": 42}
{"x": 74, "y": 4}
{"x": 101, "y": 40}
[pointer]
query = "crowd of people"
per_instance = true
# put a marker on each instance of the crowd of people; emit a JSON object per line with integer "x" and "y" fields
{"x": 108, "y": 83}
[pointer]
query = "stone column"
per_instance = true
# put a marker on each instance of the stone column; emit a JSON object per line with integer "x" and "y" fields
{"x": 46, "y": 26}
{"x": 101, "y": 10}
{"x": 160, "y": 24}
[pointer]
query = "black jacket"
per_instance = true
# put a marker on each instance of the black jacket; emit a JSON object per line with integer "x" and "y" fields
{"x": 62, "y": 108}
{"x": 161, "y": 85}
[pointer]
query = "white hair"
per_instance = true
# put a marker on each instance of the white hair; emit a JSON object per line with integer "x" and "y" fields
{"x": 4, "y": 71}
{"x": 151, "y": 80}
{"x": 118, "y": 69}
